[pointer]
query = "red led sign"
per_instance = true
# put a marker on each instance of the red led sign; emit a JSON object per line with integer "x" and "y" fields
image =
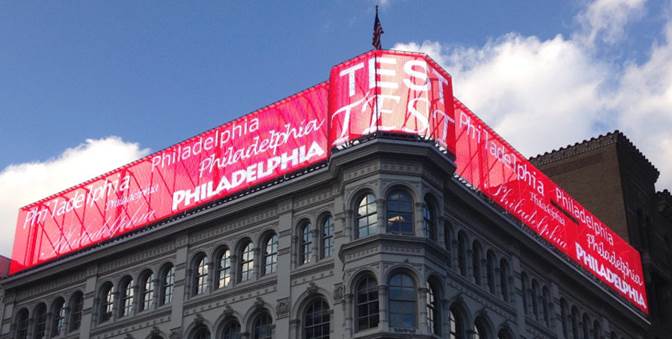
{"x": 377, "y": 92}
{"x": 261, "y": 146}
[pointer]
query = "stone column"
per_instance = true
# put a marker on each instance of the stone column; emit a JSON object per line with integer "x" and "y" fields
{"x": 382, "y": 223}
{"x": 383, "y": 307}
{"x": 423, "y": 326}
{"x": 285, "y": 225}
{"x": 348, "y": 311}
{"x": 179, "y": 290}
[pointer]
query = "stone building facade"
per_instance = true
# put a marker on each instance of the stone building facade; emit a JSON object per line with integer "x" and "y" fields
{"x": 383, "y": 241}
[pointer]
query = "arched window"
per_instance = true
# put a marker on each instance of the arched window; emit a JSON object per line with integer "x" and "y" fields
{"x": 271, "y": 254}
{"x": 316, "y": 320}
{"x": 200, "y": 275}
{"x": 480, "y": 329}
{"x": 399, "y": 213}
{"x": 597, "y": 329}
{"x": 231, "y": 329}
{"x": 246, "y": 262}
{"x": 462, "y": 252}
{"x": 327, "y": 235}
{"x": 433, "y": 309}
{"x": 456, "y": 321}
{"x": 402, "y": 301}
{"x": 22, "y": 324}
{"x": 76, "y": 305}
{"x": 504, "y": 278}
{"x": 564, "y": 318}
{"x": 448, "y": 241}
{"x": 490, "y": 267}
{"x": 476, "y": 262}
{"x": 366, "y": 216}
{"x": 306, "y": 242}
{"x": 201, "y": 332}
{"x": 575, "y": 322}
{"x": 504, "y": 333}
{"x": 40, "y": 329}
{"x": 586, "y": 326}
{"x": 525, "y": 287}
{"x": 106, "y": 302}
{"x": 146, "y": 291}
{"x": 546, "y": 301}
{"x": 58, "y": 317}
{"x": 262, "y": 326}
{"x": 429, "y": 220}
{"x": 167, "y": 282}
{"x": 366, "y": 303}
{"x": 223, "y": 271}
{"x": 127, "y": 295}
{"x": 534, "y": 296}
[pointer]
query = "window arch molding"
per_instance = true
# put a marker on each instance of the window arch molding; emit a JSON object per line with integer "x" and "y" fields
{"x": 58, "y": 316}
{"x": 252, "y": 315}
{"x": 268, "y": 251}
{"x": 199, "y": 329}
{"x": 127, "y": 297}
{"x": 146, "y": 290}
{"x": 305, "y": 301}
{"x": 21, "y": 323}
{"x": 40, "y": 320}
{"x": 505, "y": 332}
{"x": 75, "y": 304}
{"x": 226, "y": 321}
{"x": 399, "y": 210}
{"x": 484, "y": 325}
{"x": 459, "y": 320}
{"x": 363, "y": 279}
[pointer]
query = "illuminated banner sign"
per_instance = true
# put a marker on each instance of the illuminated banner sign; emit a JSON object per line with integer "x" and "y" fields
{"x": 261, "y": 146}
{"x": 390, "y": 92}
{"x": 493, "y": 167}
{"x": 377, "y": 93}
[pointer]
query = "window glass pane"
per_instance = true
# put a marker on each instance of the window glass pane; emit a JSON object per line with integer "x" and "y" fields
{"x": 327, "y": 234}
{"x": 271, "y": 254}
{"x": 402, "y": 301}
{"x": 366, "y": 216}
{"x": 247, "y": 262}
{"x": 224, "y": 269}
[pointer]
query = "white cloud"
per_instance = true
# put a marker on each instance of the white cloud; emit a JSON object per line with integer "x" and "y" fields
{"x": 543, "y": 94}
{"x": 606, "y": 20}
{"x": 22, "y": 184}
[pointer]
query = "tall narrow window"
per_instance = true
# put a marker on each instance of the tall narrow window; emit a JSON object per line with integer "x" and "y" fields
{"x": 456, "y": 322}
{"x": 327, "y": 234}
{"x": 40, "y": 331}
{"x": 448, "y": 241}
{"x": 504, "y": 278}
{"x": 586, "y": 326}
{"x": 433, "y": 310}
{"x": 462, "y": 253}
{"x": 247, "y": 262}
{"x": 147, "y": 294}
{"x": 58, "y": 317}
{"x": 399, "y": 213}
{"x": 535, "y": 297}
{"x": 480, "y": 329}
{"x": 167, "y": 284}
{"x": 200, "y": 279}
{"x": 306, "y": 243}
{"x": 575, "y": 323}
{"x": 525, "y": 287}
{"x": 224, "y": 269}
{"x": 367, "y": 216}
{"x": 545, "y": 302}
{"x": 366, "y": 303}
{"x": 428, "y": 220}
{"x": 597, "y": 329}
{"x": 76, "y": 306}
{"x": 231, "y": 330}
{"x": 403, "y": 298}
{"x": 201, "y": 332}
{"x": 476, "y": 262}
{"x": 127, "y": 296}
{"x": 316, "y": 320}
{"x": 106, "y": 303}
{"x": 491, "y": 271}
{"x": 271, "y": 254}
{"x": 263, "y": 326}
{"x": 564, "y": 319}
{"x": 22, "y": 324}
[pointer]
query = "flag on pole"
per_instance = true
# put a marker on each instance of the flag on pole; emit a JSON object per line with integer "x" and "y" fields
{"x": 377, "y": 32}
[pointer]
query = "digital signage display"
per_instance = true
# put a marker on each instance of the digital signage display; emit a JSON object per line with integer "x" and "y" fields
{"x": 376, "y": 93}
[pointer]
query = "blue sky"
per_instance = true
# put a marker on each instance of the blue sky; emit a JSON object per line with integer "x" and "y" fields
{"x": 86, "y": 86}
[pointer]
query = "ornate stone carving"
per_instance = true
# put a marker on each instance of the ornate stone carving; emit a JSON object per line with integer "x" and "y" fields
{"x": 312, "y": 288}
{"x": 339, "y": 291}
{"x": 176, "y": 333}
{"x": 282, "y": 308}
